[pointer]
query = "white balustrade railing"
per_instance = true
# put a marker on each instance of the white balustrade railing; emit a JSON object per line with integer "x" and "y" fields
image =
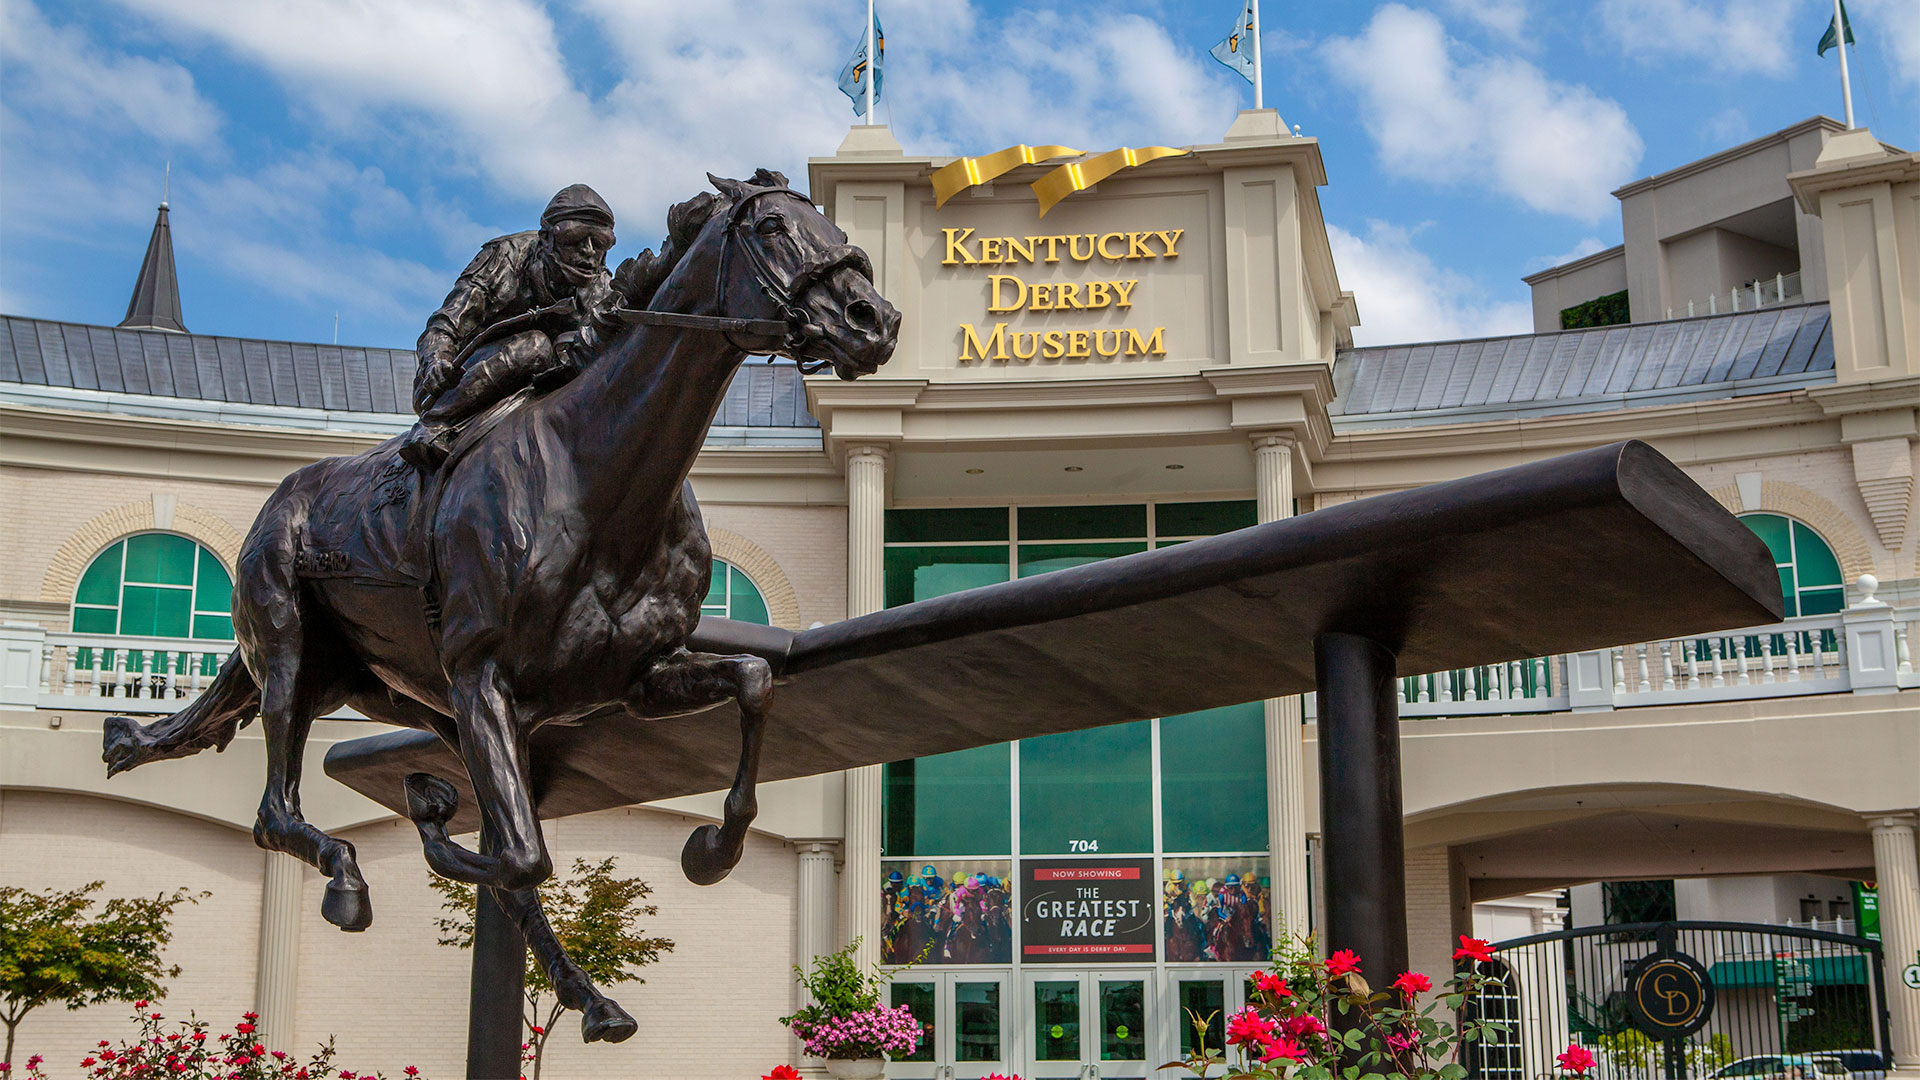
{"x": 107, "y": 671}
{"x": 1806, "y": 655}
{"x": 1764, "y": 292}
{"x": 1534, "y": 685}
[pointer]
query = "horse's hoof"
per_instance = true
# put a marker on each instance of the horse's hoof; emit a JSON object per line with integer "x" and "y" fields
{"x": 606, "y": 1021}
{"x": 347, "y": 907}
{"x": 430, "y": 800}
{"x": 120, "y": 744}
{"x": 701, "y": 860}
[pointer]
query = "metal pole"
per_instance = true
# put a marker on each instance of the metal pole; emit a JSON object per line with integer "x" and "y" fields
{"x": 1363, "y": 846}
{"x": 1258, "y": 96}
{"x": 873, "y": 66}
{"x": 1846, "y": 83}
{"x": 497, "y": 994}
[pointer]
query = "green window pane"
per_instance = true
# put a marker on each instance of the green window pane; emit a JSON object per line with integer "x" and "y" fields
{"x": 976, "y": 1021}
{"x": 1045, "y": 558}
{"x": 1056, "y": 1021}
{"x": 717, "y": 589}
{"x": 101, "y": 583}
{"x": 920, "y": 573}
{"x": 917, "y": 997}
{"x": 150, "y": 612}
{"x": 1213, "y": 780}
{"x": 1082, "y": 522}
{"x": 1123, "y": 1021}
{"x": 1787, "y": 591}
{"x": 1813, "y": 559}
{"x": 213, "y": 627}
{"x": 1085, "y": 788}
{"x": 1203, "y": 518}
{"x": 1773, "y": 529}
{"x": 748, "y": 604}
{"x": 93, "y": 620}
{"x": 160, "y": 559}
{"x": 213, "y": 592}
{"x": 949, "y": 804}
{"x": 1202, "y": 999}
{"x": 1822, "y": 601}
{"x": 931, "y": 526}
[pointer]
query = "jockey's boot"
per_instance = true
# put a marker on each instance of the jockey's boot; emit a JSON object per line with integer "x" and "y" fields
{"x": 426, "y": 447}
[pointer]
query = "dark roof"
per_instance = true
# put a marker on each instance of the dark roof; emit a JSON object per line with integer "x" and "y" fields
{"x": 156, "y": 293}
{"x": 1748, "y": 352}
{"x": 243, "y": 371}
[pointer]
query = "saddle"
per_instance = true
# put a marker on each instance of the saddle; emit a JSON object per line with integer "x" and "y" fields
{"x": 374, "y": 524}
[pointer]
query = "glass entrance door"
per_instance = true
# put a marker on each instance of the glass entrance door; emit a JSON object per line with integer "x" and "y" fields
{"x": 1089, "y": 1025}
{"x": 1213, "y": 994}
{"x": 964, "y": 1022}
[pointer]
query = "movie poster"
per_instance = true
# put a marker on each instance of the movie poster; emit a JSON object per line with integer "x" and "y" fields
{"x": 1217, "y": 909}
{"x": 946, "y": 911}
{"x": 1082, "y": 911}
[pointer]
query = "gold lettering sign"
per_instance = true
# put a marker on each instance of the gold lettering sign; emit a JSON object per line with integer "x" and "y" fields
{"x": 954, "y": 178}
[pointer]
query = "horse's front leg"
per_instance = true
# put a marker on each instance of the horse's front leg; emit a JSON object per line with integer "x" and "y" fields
{"x": 601, "y": 1018}
{"x": 493, "y": 742}
{"x": 683, "y": 681}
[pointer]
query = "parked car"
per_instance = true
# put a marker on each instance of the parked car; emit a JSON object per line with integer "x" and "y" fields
{"x": 1811, "y": 1066}
{"x": 1865, "y": 1064}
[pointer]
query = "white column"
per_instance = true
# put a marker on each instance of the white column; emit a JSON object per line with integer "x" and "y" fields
{"x": 277, "y": 977}
{"x": 1286, "y": 786}
{"x": 1897, "y": 871}
{"x": 816, "y": 892}
{"x": 866, "y": 593}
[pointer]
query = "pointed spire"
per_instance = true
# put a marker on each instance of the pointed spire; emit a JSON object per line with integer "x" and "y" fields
{"x": 156, "y": 296}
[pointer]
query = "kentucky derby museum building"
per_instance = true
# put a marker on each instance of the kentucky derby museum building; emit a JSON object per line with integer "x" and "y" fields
{"x": 1164, "y": 354}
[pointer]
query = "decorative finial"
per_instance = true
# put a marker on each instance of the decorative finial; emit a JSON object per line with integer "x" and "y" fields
{"x": 1296, "y": 131}
{"x": 166, "y": 184}
{"x": 1868, "y": 585}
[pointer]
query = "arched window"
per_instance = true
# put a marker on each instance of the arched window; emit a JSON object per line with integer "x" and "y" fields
{"x": 1501, "y": 1055}
{"x": 733, "y": 595}
{"x": 155, "y": 585}
{"x": 1809, "y": 573}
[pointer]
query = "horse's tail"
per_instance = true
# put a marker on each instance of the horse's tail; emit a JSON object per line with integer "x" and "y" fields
{"x": 227, "y": 706}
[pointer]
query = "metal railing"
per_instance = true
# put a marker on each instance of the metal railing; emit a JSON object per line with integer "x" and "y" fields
{"x": 1763, "y": 292}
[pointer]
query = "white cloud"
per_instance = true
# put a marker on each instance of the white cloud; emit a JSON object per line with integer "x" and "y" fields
{"x": 1555, "y": 146}
{"x": 1404, "y": 296}
{"x": 1587, "y": 246}
{"x": 1726, "y": 35}
{"x": 1895, "y": 28}
{"x": 57, "y": 69}
{"x": 1508, "y": 18}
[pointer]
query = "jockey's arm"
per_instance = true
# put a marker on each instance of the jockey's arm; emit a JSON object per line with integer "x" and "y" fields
{"x": 462, "y": 315}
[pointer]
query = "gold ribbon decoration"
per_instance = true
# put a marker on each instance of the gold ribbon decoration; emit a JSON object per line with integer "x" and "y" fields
{"x": 954, "y": 178}
{"x": 1081, "y": 175}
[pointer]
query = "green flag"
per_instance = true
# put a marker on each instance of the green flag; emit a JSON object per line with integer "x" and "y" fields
{"x": 1831, "y": 39}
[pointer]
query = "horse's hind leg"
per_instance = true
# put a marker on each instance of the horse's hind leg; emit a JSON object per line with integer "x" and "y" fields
{"x": 601, "y": 1018}
{"x": 686, "y": 680}
{"x": 301, "y": 678}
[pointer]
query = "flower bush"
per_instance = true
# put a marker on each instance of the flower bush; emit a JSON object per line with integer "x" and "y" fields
{"x": 846, "y": 1019}
{"x": 1309, "y": 1019}
{"x": 188, "y": 1050}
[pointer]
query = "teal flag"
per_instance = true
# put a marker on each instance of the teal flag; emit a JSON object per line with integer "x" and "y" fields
{"x": 1236, "y": 49}
{"x": 1831, "y": 39}
{"x": 853, "y": 77}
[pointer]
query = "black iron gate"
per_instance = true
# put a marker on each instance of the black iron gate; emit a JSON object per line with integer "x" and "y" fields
{"x": 1688, "y": 1000}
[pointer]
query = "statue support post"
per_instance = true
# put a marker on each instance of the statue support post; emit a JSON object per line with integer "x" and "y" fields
{"x": 1360, "y": 807}
{"x": 498, "y": 990}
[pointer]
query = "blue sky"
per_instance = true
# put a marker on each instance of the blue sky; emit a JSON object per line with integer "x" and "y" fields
{"x": 348, "y": 156}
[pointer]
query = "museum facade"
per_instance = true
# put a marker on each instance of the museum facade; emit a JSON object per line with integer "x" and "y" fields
{"x": 1100, "y": 355}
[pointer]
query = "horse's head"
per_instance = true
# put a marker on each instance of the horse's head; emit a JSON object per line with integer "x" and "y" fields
{"x": 782, "y": 259}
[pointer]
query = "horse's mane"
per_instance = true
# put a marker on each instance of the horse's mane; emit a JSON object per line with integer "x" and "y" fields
{"x": 640, "y": 277}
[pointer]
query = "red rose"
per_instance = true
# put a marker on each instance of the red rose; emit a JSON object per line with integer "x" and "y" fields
{"x": 1268, "y": 982}
{"x": 782, "y": 1072}
{"x": 1412, "y": 982}
{"x": 1472, "y": 948}
{"x": 1344, "y": 962}
{"x": 1576, "y": 1059}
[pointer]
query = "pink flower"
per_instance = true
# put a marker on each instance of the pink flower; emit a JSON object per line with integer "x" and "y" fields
{"x": 1412, "y": 982}
{"x": 414, "y": 1070}
{"x": 1282, "y": 1047}
{"x": 1399, "y": 1043}
{"x": 1344, "y": 962}
{"x": 1473, "y": 948}
{"x": 1576, "y": 1059}
{"x": 1248, "y": 1026}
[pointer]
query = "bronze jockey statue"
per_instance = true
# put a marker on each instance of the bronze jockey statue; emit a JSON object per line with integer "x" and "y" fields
{"x": 522, "y": 314}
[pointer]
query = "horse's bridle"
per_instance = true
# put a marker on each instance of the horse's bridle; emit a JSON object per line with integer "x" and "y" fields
{"x": 793, "y": 327}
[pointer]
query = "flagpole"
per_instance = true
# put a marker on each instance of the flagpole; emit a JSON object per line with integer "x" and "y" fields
{"x": 1257, "y": 102}
{"x": 872, "y": 68}
{"x": 1846, "y": 84}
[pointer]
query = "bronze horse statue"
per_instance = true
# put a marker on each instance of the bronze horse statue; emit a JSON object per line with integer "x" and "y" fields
{"x": 559, "y": 563}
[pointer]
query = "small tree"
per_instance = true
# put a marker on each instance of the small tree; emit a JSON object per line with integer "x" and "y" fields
{"x": 593, "y": 913}
{"x": 54, "y": 947}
